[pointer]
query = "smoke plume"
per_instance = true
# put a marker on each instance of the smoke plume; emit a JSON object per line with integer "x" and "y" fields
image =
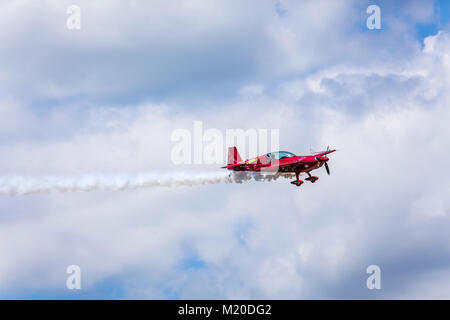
{"x": 22, "y": 185}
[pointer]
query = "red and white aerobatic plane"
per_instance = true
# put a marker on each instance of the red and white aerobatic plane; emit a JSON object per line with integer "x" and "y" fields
{"x": 280, "y": 161}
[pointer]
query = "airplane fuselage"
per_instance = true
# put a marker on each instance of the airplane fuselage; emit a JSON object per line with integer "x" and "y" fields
{"x": 281, "y": 161}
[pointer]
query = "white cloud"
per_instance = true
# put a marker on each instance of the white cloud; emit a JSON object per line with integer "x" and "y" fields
{"x": 183, "y": 50}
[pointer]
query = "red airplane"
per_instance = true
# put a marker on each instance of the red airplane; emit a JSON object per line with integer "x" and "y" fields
{"x": 281, "y": 161}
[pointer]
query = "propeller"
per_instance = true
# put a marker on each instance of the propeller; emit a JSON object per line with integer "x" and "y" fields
{"x": 326, "y": 167}
{"x": 325, "y": 163}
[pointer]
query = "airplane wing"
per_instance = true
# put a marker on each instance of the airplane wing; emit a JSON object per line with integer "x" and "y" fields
{"x": 273, "y": 164}
{"x": 324, "y": 153}
{"x": 287, "y": 163}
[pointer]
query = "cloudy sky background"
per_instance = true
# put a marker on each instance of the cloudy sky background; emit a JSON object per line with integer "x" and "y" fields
{"x": 105, "y": 99}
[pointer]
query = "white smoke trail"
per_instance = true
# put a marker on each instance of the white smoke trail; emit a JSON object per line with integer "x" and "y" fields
{"x": 20, "y": 185}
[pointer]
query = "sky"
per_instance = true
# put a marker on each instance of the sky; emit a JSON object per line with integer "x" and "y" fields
{"x": 105, "y": 99}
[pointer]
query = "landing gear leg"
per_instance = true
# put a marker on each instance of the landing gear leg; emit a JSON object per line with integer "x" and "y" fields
{"x": 311, "y": 178}
{"x": 297, "y": 182}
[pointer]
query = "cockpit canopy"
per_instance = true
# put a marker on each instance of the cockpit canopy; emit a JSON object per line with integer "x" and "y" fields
{"x": 280, "y": 155}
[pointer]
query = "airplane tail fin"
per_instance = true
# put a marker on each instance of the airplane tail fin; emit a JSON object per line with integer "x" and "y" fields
{"x": 233, "y": 156}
